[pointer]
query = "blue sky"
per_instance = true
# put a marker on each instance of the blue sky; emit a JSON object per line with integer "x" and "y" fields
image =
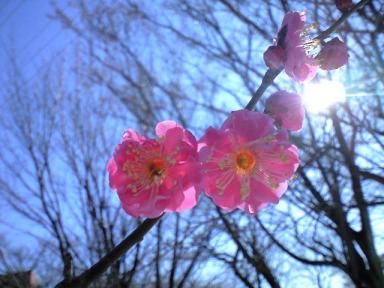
{"x": 28, "y": 33}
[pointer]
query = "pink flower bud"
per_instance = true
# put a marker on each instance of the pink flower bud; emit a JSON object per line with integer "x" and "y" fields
{"x": 333, "y": 55}
{"x": 343, "y": 5}
{"x": 287, "y": 109}
{"x": 274, "y": 57}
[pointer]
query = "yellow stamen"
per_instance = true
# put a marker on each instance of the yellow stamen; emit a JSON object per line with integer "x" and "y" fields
{"x": 245, "y": 161}
{"x": 156, "y": 169}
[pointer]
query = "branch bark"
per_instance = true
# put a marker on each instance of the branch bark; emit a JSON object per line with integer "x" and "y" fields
{"x": 84, "y": 279}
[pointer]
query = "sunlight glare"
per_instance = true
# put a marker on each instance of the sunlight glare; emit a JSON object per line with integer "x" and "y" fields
{"x": 318, "y": 97}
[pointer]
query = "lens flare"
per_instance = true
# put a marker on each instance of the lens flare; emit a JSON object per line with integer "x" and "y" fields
{"x": 318, "y": 97}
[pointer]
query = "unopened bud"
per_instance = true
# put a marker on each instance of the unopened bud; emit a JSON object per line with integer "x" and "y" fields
{"x": 343, "y": 5}
{"x": 274, "y": 57}
{"x": 333, "y": 55}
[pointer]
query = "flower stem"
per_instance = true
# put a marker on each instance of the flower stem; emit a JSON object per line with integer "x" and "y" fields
{"x": 267, "y": 80}
{"x": 339, "y": 21}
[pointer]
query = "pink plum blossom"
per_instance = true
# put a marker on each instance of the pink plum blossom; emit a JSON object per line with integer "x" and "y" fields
{"x": 343, "y": 5}
{"x": 298, "y": 65}
{"x": 246, "y": 165}
{"x": 287, "y": 109}
{"x": 333, "y": 55}
{"x": 152, "y": 176}
{"x": 274, "y": 57}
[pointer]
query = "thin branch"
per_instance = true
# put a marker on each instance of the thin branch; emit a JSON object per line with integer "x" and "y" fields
{"x": 340, "y": 21}
{"x": 268, "y": 79}
{"x": 91, "y": 274}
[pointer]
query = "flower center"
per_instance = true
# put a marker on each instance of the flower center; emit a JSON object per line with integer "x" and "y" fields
{"x": 156, "y": 169}
{"x": 245, "y": 161}
{"x": 308, "y": 43}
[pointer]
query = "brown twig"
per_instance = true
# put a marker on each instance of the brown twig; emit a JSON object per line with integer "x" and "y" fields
{"x": 267, "y": 80}
{"x": 339, "y": 21}
{"x": 89, "y": 275}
